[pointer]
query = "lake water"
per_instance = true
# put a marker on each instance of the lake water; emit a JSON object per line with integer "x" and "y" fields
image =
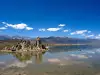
{"x": 71, "y": 60}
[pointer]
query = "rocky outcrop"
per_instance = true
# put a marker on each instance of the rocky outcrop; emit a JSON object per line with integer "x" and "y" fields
{"x": 23, "y": 45}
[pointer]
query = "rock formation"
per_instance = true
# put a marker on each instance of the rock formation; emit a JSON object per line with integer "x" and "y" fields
{"x": 23, "y": 45}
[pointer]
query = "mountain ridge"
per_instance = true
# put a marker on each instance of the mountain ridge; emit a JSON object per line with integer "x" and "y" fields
{"x": 54, "y": 40}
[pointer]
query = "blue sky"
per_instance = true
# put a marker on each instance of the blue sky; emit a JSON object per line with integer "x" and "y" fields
{"x": 79, "y": 18}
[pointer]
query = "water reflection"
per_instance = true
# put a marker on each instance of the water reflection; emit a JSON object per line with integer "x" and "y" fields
{"x": 56, "y": 61}
{"x": 25, "y": 56}
{"x": 38, "y": 58}
{"x": 57, "y": 49}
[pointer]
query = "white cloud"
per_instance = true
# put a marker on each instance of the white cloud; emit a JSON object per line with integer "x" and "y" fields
{"x": 89, "y": 31}
{"x": 83, "y": 34}
{"x": 89, "y": 36}
{"x": 62, "y": 25}
{"x": 65, "y": 30}
{"x": 29, "y": 28}
{"x": 98, "y": 36}
{"x": 42, "y": 29}
{"x": 79, "y": 32}
{"x": 53, "y": 29}
{"x": 6, "y": 26}
{"x": 56, "y": 29}
{"x": 3, "y": 28}
{"x": 4, "y": 23}
{"x": 18, "y": 26}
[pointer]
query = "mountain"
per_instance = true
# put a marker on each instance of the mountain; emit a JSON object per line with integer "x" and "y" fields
{"x": 5, "y": 37}
{"x": 21, "y": 37}
{"x": 65, "y": 40}
{"x": 56, "y": 40}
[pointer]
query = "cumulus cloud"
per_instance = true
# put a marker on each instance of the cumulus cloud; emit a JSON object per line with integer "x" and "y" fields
{"x": 42, "y": 29}
{"x": 65, "y": 30}
{"x": 53, "y": 29}
{"x": 88, "y": 36}
{"x": 89, "y": 31}
{"x": 98, "y": 36}
{"x": 29, "y": 28}
{"x": 4, "y": 23}
{"x": 80, "y": 32}
{"x": 61, "y": 25}
{"x": 18, "y": 26}
{"x": 56, "y": 29}
{"x": 3, "y": 28}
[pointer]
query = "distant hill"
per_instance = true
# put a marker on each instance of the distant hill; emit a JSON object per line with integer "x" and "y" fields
{"x": 56, "y": 40}
{"x": 21, "y": 37}
{"x": 65, "y": 40}
{"x": 6, "y": 37}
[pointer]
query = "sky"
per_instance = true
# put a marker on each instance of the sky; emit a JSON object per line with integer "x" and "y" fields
{"x": 72, "y": 18}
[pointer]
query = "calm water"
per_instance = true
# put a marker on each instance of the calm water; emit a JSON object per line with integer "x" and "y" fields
{"x": 73, "y": 60}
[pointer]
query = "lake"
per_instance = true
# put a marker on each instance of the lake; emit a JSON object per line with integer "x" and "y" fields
{"x": 58, "y": 60}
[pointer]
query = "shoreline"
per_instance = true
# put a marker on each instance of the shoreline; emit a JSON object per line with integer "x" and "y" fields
{"x": 37, "y": 51}
{"x": 67, "y": 44}
{"x": 42, "y": 50}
